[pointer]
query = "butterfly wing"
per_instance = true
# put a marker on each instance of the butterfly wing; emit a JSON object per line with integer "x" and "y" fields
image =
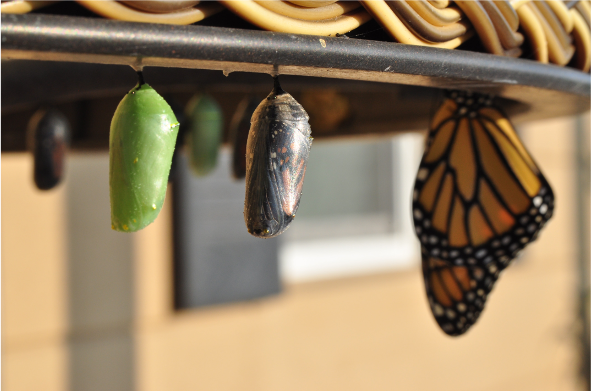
{"x": 479, "y": 198}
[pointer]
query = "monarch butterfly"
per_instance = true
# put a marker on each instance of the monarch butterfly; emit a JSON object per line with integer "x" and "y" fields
{"x": 277, "y": 151}
{"x": 239, "y": 135}
{"x": 479, "y": 198}
{"x": 48, "y": 137}
{"x": 205, "y": 133}
{"x": 141, "y": 143}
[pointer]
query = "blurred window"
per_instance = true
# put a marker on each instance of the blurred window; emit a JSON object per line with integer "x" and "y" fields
{"x": 354, "y": 216}
{"x": 215, "y": 259}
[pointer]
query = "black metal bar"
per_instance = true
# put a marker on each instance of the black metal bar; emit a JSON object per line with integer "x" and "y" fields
{"x": 100, "y": 40}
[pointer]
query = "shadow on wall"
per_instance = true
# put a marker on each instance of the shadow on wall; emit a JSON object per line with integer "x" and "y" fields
{"x": 101, "y": 283}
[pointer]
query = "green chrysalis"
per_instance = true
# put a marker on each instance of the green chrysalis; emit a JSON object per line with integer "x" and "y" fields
{"x": 142, "y": 140}
{"x": 206, "y": 126}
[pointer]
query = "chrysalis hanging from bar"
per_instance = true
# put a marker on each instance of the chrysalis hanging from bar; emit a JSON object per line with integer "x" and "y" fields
{"x": 239, "y": 129}
{"x": 48, "y": 138}
{"x": 276, "y": 156}
{"x": 141, "y": 143}
{"x": 206, "y": 127}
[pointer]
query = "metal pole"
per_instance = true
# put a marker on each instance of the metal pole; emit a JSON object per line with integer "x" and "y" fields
{"x": 582, "y": 173}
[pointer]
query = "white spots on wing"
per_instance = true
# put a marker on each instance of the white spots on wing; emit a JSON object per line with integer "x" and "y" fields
{"x": 448, "y": 327}
{"x": 422, "y": 174}
{"x": 513, "y": 247}
{"x": 438, "y": 310}
{"x": 417, "y": 214}
{"x": 478, "y": 273}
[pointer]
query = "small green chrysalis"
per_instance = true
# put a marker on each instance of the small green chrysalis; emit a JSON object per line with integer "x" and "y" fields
{"x": 206, "y": 127}
{"x": 142, "y": 140}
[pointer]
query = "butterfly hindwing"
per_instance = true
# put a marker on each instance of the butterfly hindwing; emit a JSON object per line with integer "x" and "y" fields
{"x": 479, "y": 198}
{"x": 457, "y": 294}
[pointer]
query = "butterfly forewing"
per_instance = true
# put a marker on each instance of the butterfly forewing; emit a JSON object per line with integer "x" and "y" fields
{"x": 276, "y": 155}
{"x": 478, "y": 200}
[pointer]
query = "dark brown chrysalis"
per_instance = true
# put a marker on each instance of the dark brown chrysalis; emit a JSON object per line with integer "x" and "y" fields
{"x": 276, "y": 156}
{"x": 48, "y": 139}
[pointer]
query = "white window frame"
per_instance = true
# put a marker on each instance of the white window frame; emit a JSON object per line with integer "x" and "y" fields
{"x": 309, "y": 260}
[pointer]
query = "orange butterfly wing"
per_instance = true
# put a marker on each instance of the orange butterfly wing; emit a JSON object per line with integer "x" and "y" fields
{"x": 479, "y": 198}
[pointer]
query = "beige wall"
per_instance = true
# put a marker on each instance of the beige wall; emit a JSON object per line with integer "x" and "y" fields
{"x": 371, "y": 332}
{"x": 34, "y": 289}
